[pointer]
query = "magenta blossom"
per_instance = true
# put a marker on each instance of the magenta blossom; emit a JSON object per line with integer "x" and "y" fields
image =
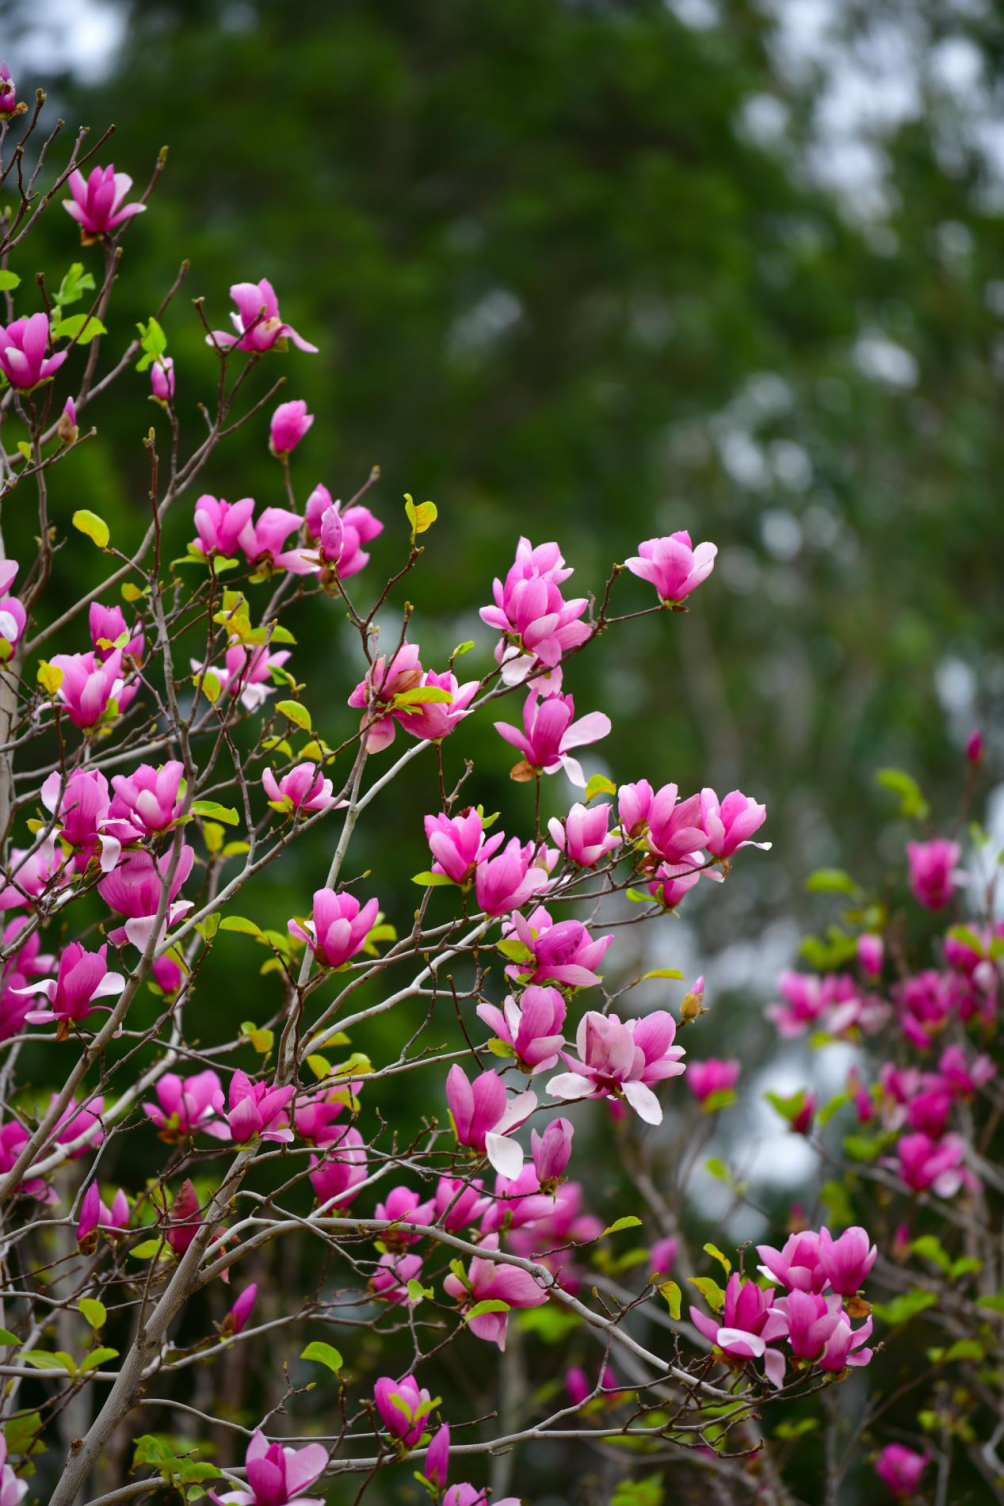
{"x": 662, "y": 1256}
{"x": 405, "y": 1204}
{"x": 551, "y": 1152}
{"x": 248, "y": 673}
{"x": 377, "y": 693}
{"x": 257, "y": 321}
{"x": 925, "y": 1162}
{"x": 22, "y": 352}
{"x": 219, "y": 525}
{"x": 258, "y": 1111}
{"x": 339, "y": 926}
{"x": 315, "y": 1115}
{"x": 389, "y": 1282}
{"x": 489, "y": 1281}
{"x": 25, "y": 963}
{"x": 96, "y": 1214}
{"x": 797, "y": 1266}
{"x": 135, "y": 887}
{"x": 97, "y": 201}
{"x": 108, "y": 628}
{"x": 162, "y": 379}
{"x": 264, "y": 539}
{"x": 83, "y": 977}
{"x": 340, "y": 533}
{"x": 13, "y": 619}
{"x": 437, "y": 1458}
{"x": 433, "y": 720}
{"x": 531, "y": 1026}
{"x": 484, "y": 1117}
{"x": 458, "y": 844}
{"x": 731, "y": 824}
{"x": 8, "y": 109}
{"x": 961, "y": 1076}
{"x": 846, "y": 1260}
{"x": 634, "y": 804}
{"x": 92, "y": 690}
{"x": 549, "y": 731}
{"x": 870, "y": 951}
{"x": 149, "y": 799}
{"x": 238, "y": 1315}
{"x": 404, "y": 1407}
{"x": 474, "y": 1495}
{"x": 934, "y": 871}
{"x": 673, "y": 881}
{"x": 304, "y": 788}
{"x": 583, "y": 835}
{"x": 536, "y": 622}
{"x": 277, "y": 1475}
{"x": 336, "y": 1175}
{"x": 13, "y": 1139}
{"x": 901, "y": 1469}
{"x": 749, "y": 1323}
{"x": 819, "y": 1331}
{"x": 621, "y": 1060}
{"x": 187, "y": 1106}
{"x": 675, "y": 826}
{"x": 709, "y": 1078}
{"x": 459, "y": 1202}
{"x": 502, "y": 883}
{"x": 81, "y": 807}
{"x": 564, "y": 953}
{"x": 672, "y": 565}
{"x": 290, "y": 423}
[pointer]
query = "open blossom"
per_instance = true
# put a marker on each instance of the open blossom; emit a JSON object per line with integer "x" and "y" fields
{"x": 376, "y": 693}
{"x": 730, "y": 824}
{"x": 83, "y": 977}
{"x": 290, "y": 422}
{"x": 489, "y": 1280}
{"x": 474, "y": 1495}
{"x": 934, "y": 871}
{"x": 564, "y": 953}
{"x": 316, "y": 1115}
{"x": 339, "y": 926}
{"x": 964, "y": 1076}
{"x": 13, "y": 1138}
{"x": 248, "y": 672}
{"x": 389, "y": 1282}
{"x": 484, "y": 1117}
{"x": 901, "y": 1469}
{"x": 264, "y": 540}
{"x": 924, "y": 1161}
{"x": 95, "y": 1214}
{"x": 536, "y": 622}
{"x": 819, "y": 1331}
{"x": 12, "y": 1488}
{"x": 162, "y": 379}
{"x": 134, "y": 890}
{"x": 12, "y": 614}
{"x": 458, "y": 844}
{"x": 846, "y": 1260}
{"x": 277, "y": 1475}
{"x": 583, "y": 836}
{"x": 809, "y": 1000}
{"x": 149, "y": 799}
{"x": 97, "y": 204}
{"x": 518, "y": 1201}
{"x": 551, "y": 1151}
{"x": 797, "y": 1266}
{"x": 8, "y": 109}
{"x": 503, "y": 883}
{"x": 255, "y": 1109}
{"x": 107, "y": 627}
{"x": 22, "y": 352}
{"x": 711, "y": 1076}
{"x": 674, "y": 881}
{"x": 304, "y": 788}
{"x": 257, "y": 320}
{"x": 340, "y": 533}
{"x": 550, "y": 731}
{"x": 434, "y": 720}
{"x": 672, "y": 565}
{"x": 621, "y": 1059}
{"x": 675, "y": 827}
{"x": 403, "y": 1407}
{"x": 80, "y": 806}
{"x": 531, "y": 1026}
{"x": 662, "y": 1256}
{"x": 459, "y": 1202}
{"x": 750, "y": 1322}
{"x": 405, "y": 1204}
{"x": 335, "y": 1176}
{"x": 27, "y": 962}
{"x": 30, "y": 873}
{"x": 187, "y": 1106}
{"x": 219, "y": 525}
{"x": 91, "y": 689}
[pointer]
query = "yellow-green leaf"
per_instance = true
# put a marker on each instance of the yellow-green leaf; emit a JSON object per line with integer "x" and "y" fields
{"x": 94, "y": 527}
{"x": 673, "y": 1296}
{"x": 224, "y": 813}
{"x": 49, "y": 676}
{"x": 324, "y": 1354}
{"x": 723, "y": 1260}
{"x": 296, "y": 712}
{"x": 628, "y": 1222}
{"x": 94, "y": 1311}
{"x": 422, "y": 516}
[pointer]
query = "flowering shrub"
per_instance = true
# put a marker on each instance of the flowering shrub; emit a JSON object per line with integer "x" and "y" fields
{"x": 157, "y": 754}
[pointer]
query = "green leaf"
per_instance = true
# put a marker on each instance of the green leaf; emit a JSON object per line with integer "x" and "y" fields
{"x": 629, "y": 1221}
{"x": 673, "y": 1296}
{"x": 995, "y": 1302}
{"x": 966, "y": 1265}
{"x": 490, "y": 1305}
{"x": 462, "y": 648}
{"x": 147, "y": 1250}
{"x": 789, "y": 1430}
{"x": 421, "y": 517}
{"x": 423, "y": 695}
{"x": 94, "y": 1311}
{"x": 217, "y": 812}
{"x": 209, "y": 684}
{"x": 501, "y": 1048}
{"x": 43, "y": 1360}
{"x": 598, "y": 784}
{"x": 94, "y": 527}
{"x": 911, "y": 802}
{"x": 710, "y": 1291}
{"x": 649, "y": 1491}
{"x": 964, "y": 1349}
{"x": 323, "y": 1354}
{"x": 8, "y": 281}
{"x": 929, "y": 1246}
{"x": 723, "y": 1260}
{"x": 828, "y": 1110}
{"x": 836, "y": 1200}
{"x": 21, "y": 1433}
{"x": 901, "y": 1309}
{"x": 96, "y": 1359}
{"x": 74, "y": 285}
{"x": 514, "y": 949}
{"x": 240, "y": 923}
{"x": 432, "y": 880}
{"x": 6, "y": 1337}
{"x": 296, "y": 712}
{"x": 790, "y": 1106}
{"x": 153, "y": 343}
{"x": 80, "y": 327}
{"x": 830, "y": 881}
{"x": 661, "y": 972}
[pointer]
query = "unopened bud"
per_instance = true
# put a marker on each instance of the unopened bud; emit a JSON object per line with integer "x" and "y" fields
{"x": 693, "y": 1003}
{"x": 66, "y": 428}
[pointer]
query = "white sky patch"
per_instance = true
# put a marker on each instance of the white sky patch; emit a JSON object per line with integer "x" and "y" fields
{"x": 82, "y": 35}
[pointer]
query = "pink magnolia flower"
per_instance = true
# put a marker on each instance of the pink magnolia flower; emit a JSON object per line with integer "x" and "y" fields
{"x": 484, "y": 1117}
{"x": 459, "y": 1202}
{"x": 583, "y": 835}
{"x": 929, "y": 1110}
{"x": 621, "y": 1059}
{"x": 870, "y": 952}
{"x": 434, "y": 720}
{"x": 257, "y": 321}
{"x": 315, "y": 1115}
{"x": 567, "y": 1226}
{"x": 92, "y": 690}
{"x": 731, "y": 824}
{"x": 797, "y": 1266}
{"x": 278, "y": 1475}
{"x": 96, "y": 204}
{"x": 819, "y": 1331}
{"x": 67, "y": 429}
{"x": 187, "y": 1106}
{"x": 22, "y": 352}
{"x": 83, "y": 977}
{"x": 31, "y": 873}
{"x": 238, "y": 1315}
{"x": 149, "y": 799}
{"x": 531, "y": 1026}
{"x": 256, "y": 1110}
{"x": 335, "y": 1176}
{"x": 672, "y": 565}
{"x": 518, "y": 1201}
{"x": 338, "y": 928}
{"x": 807, "y": 999}
{"x": 675, "y": 826}
{"x": 340, "y": 533}
{"x": 673, "y": 881}
{"x": 962, "y": 1076}
{"x": 16, "y": 971}
{"x": 162, "y": 379}
{"x": 551, "y": 1152}
{"x": 248, "y": 672}
{"x": 901, "y": 1469}
{"x": 662, "y": 1256}
{"x": 13, "y": 619}
{"x": 487, "y": 1281}
{"x": 844, "y": 1347}
{"x": 389, "y": 1282}
{"x": 263, "y": 540}
{"x": 437, "y": 1458}
{"x": 80, "y": 804}
{"x": 474, "y": 1495}
{"x": 376, "y": 693}
{"x": 564, "y": 953}
{"x": 12, "y": 1488}
{"x": 974, "y": 747}
{"x": 503, "y": 883}
{"x": 580, "y": 1388}
{"x": 634, "y": 802}
{"x": 934, "y": 871}
{"x": 108, "y": 626}
{"x": 290, "y": 422}
{"x": 13, "y": 1138}
{"x": 712, "y": 1076}
{"x": 549, "y": 731}
{"x": 219, "y": 525}
{"x": 750, "y": 1323}
{"x": 846, "y": 1260}
{"x": 184, "y": 1221}
{"x": 405, "y": 1204}
{"x": 304, "y": 788}
{"x": 96, "y": 1214}
{"x": 134, "y": 890}
{"x": 8, "y": 109}
{"x": 403, "y": 1407}
{"x": 536, "y": 622}
{"x": 458, "y": 844}
{"x": 925, "y": 1162}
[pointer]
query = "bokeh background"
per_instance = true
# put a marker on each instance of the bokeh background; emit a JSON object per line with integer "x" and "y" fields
{"x": 594, "y": 272}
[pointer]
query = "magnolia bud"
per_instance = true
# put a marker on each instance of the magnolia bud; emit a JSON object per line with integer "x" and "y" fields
{"x": 693, "y": 1003}
{"x": 66, "y": 428}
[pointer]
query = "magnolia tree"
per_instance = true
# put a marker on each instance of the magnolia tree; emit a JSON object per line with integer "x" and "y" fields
{"x": 234, "y": 1261}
